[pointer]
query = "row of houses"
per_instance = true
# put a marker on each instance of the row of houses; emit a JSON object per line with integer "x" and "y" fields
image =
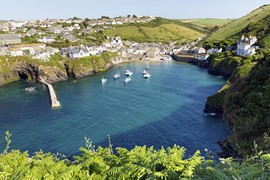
{"x": 74, "y": 22}
{"x": 38, "y": 51}
{"x": 244, "y": 47}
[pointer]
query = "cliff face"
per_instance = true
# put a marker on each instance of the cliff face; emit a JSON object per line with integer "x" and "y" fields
{"x": 214, "y": 103}
{"x": 247, "y": 110}
{"x": 9, "y": 77}
{"x": 87, "y": 66}
{"x": 33, "y": 72}
{"x": 57, "y": 69}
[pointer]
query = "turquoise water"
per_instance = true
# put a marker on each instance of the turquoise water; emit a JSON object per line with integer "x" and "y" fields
{"x": 163, "y": 110}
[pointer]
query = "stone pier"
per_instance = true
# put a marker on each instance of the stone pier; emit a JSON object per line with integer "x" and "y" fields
{"x": 54, "y": 102}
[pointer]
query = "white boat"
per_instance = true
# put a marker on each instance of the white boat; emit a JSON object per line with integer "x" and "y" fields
{"x": 128, "y": 73}
{"x": 127, "y": 79}
{"x": 117, "y": 75}
{"x": 30, "y": 89}
{"x": 145, "y": 71}
{"x": 147, "y": 75}
{"x": 103, "y": 80}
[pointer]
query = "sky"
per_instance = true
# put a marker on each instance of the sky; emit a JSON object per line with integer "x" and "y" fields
{"x": 175, "y": 9}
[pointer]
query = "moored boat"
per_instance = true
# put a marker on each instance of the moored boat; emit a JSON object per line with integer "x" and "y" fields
{"x": 30, "y": 89}
{"x": 147, "y": 75}
{"x": 127, "y": 79}
{"x": 146, "y": 70}
{"x": 128, "y": 73}
{"x": 103, "y": 80}
{"x": 117, "y": 75}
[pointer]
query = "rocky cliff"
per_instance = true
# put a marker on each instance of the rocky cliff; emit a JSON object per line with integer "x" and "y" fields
{"x": 57, "y": 69}
{"x": 246, "y": 107}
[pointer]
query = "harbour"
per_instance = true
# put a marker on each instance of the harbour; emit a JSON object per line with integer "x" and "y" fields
{"x": 163, "y": 110}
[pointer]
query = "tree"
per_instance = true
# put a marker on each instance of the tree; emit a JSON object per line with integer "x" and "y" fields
{"x": 105, "y": 17}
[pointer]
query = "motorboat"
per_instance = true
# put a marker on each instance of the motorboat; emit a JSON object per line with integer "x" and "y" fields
{"x": 103, "y": 80}
{"x": 128, "y": 73}
{"x": 147, "y": 75}
{"x": 117, "y": 75}
{"x": 127, "y": 79}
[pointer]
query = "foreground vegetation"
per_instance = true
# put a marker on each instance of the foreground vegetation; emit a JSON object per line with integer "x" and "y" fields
{"x": 138, "y": 163}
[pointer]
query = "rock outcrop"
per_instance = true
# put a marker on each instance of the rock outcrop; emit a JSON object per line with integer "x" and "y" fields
{"x": 55, "y": 71}
{"x": 52, "y": 74}
{"x": 214, "y": 104}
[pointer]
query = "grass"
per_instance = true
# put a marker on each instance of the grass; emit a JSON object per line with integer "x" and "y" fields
{"x": 208, "y": 22}
{"x": 128, "y": 33}
{"x": 2, "y": 22}
{"x": 237, "y": 25}
{"x": 163, "y": 32}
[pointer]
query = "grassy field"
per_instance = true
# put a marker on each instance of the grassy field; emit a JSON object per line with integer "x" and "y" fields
{"x": 237, "y": 25}
{"x": 2, "y": 22}
{"x": 208, "y": 22}
{"x": 164, "y": 32}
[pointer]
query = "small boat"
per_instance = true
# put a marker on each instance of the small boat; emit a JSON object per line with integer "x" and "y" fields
{"x": 128, "y": 73}
{"x": 146, "y": 70}
{"x": 117, "y": 75}
{"x": 127, "y": 79}
{"x": 103, "y": 80}
{"x": 147, "y": 75}
{"x": 30, "y": 89}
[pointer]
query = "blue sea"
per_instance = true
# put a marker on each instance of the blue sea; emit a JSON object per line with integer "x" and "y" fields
{"x": 164, "y": 110}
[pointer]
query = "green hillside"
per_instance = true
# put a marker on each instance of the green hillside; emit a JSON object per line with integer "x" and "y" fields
{"x": 159, "y": 30}
{"x": 2, "y": 22}
{"x": 208, "y": 22}
{"x": 238, "y": 25}
{"x": 247, "y": 106}
{"x": 261, "y": 30}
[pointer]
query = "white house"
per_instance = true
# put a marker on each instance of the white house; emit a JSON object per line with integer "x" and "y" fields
{"x": 202, "y": 57}
{"x": 96, "y": 50}
{"x": 214, "y": 50}
{"x": 41, "y": 32}
{"x": 78, "y": 53}
{"x": 199, "y": 50}
{"x": 41, "y": 54}
{"x": 244, "y": 46}
{"x": 46, "y": 39}
{"x": 16, "y": 52}
{"x": 116, "y": 41}
{"x": 77, "y": 26}
{"x": 107, "y": 44}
